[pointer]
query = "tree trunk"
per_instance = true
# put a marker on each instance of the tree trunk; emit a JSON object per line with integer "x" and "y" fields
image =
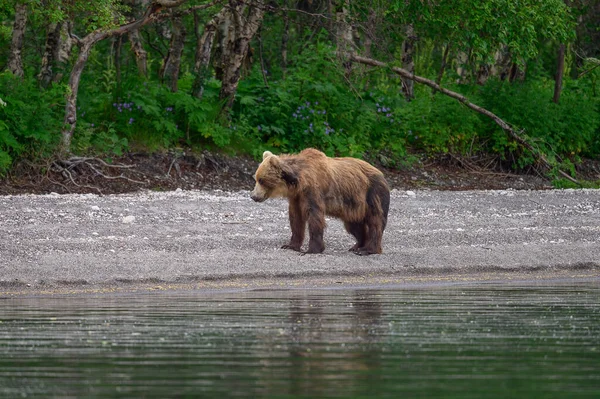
{"x": 85, "y": 46}
{"x": 344, "y": 36}
{"x": 560, "y": 71}
{"x": 15, "y": 60}
{"x": 408, "y": 62}
{"x": 65, "y": 49}
{"x": 438, "y": 80}
{"x": 57, "y": 53}
{"x": 462, "y": 59}
{"x": 46, "y": 74}
{"x": 263, "y": 65}
{"x": 204, "y": 48}
{"x": 170, "y": 70}
{"x": 118, "y": 56}
{"x": 141, "y": 56}
{"x": 135, "y": 39}
{"x": 369, "y": 33}
{"x": 503, "y": 63}
{"x": 225, "y": 35}
{"x": 243, "y": 29}
{"x": 284, "y": 44}
{"x": 483, "y": 74}
{"x": 71, "y": 107}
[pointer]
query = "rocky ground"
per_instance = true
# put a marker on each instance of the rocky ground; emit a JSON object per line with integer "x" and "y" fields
{"x": 212, "y": 239}
{"x": 169, "y": 171}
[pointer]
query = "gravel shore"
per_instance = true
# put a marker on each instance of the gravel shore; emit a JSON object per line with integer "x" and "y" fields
{"x": 218, "y": 240}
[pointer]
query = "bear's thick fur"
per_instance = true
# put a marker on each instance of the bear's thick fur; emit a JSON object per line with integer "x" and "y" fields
{"x": 316, "y": 185}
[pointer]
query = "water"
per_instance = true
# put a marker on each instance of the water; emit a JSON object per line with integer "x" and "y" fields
{"x": 465, "y": 342}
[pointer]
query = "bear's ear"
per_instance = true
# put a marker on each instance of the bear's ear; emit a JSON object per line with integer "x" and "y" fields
{"x": 288, "y": 175}
{"x": 267, "y": 154}
{"x": 273, "y": 160}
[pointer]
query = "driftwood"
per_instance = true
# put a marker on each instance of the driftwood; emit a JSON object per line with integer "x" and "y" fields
{"x": 66, "y": 168}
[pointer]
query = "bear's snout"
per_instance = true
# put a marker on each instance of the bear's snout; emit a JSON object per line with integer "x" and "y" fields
{"x": 259, "y": 194}
{"x": 257, "y": 198}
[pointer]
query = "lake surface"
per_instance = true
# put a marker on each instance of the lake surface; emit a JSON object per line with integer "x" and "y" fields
{"x": 494, "y": 341}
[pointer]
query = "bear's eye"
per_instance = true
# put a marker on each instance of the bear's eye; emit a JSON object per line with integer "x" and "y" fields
{"x": 261, "y": 181}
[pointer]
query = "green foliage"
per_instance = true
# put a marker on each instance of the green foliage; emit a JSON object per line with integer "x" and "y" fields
{"x": 92, "y": 15}
{"x": 29, "y": 120}
{"x": 564, "y": 184}
{"x": 313, "y": 101}
{"x": 314, "y": 107}
{"x": 484, "y": 27}
{"x": 148, "y": 115}
{"x": 103, "y": 139}
{"x": 569, "y": 129}
{"x": 438, "y": 124}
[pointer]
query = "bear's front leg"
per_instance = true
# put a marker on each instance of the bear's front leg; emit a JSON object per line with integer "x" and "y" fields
{"x": 297, "y": 225}
{"x": 315, "y": 213}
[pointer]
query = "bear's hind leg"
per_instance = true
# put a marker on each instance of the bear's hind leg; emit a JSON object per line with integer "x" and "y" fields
{"x": 358, "y": 230}
{"x": 374, "y": 234}
{"x": 378, "y": 201}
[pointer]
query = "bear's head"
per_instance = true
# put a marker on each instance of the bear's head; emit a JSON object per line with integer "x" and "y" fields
{"x": 273, "y": 178}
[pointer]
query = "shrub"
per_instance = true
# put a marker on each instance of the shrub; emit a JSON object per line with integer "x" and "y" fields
{"x": 30, "y": 119}
{"x": 314, "y": 107}
{"x": 567, "y": 129}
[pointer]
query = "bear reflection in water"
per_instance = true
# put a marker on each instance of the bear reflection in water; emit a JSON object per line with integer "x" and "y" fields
{"x": 315, "y": 185}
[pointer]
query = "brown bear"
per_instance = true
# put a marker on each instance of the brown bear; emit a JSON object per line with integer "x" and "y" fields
{"x": 315, "y": 185}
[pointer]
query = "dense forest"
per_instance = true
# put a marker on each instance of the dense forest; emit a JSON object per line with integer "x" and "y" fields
{"x": 499, "y": 82}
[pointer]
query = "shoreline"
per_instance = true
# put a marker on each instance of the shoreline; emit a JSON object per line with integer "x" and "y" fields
{"x": 435, "y": 280}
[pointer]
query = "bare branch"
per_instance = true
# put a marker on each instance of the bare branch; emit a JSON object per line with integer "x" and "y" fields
{"x": 112, "y": 177}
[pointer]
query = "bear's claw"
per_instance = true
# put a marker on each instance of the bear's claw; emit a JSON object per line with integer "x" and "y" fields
{"x": 289, "y": 246}
{"x": 363, "y": 251}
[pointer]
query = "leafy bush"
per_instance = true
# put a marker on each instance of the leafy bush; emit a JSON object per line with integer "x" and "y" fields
{"x": 438, "y": 124}
{"x": 150, "y": 115}
{"x": 568, "y": 129}
{"x": 30, "y": 119}
{"x": 314, "y": 107}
